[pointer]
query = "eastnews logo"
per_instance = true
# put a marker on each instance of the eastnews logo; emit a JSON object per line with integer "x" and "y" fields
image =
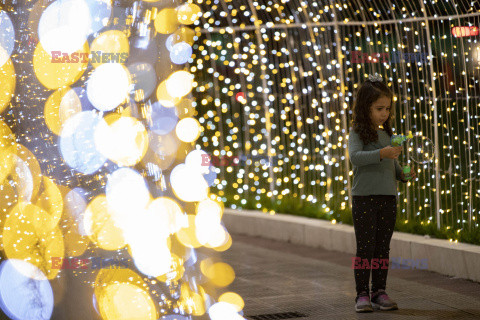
{"x": 94, "y": 57}
{"x": 395, "y": 263}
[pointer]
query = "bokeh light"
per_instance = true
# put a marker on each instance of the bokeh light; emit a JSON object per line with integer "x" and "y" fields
{"x": 96, "y": 194}
{"x": 108, "y": 86}
{"x": 69, "y": 33}
{"x": 25, "y": 293}
{"x": 7, "y": 37}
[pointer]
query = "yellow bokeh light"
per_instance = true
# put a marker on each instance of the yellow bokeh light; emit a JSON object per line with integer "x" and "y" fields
{"x": 227, "y": 245}
{"x": 8, "y": 199}
{"x": 187, "y": 235}
{"x": 176, "y": 270}
{"x": 166, "y": 21}
{"x": 7, "y": 84}
{"x": 27, "y": 177}
{"x": 110, "y": 46}
{"x": 125, "y": 301}
{"x": 188, "y": 13}
{"x": 7, "y": 150}
{"x": 28, "y": 236}
{"x": 108, "y": 276}
{"x": 220, "y": 274}
{"x": 100, "y": 226}
{"x": 124, "y": 141}
{"x": 75, "y": 243}
{"x": 192, "y": 302}
{"x": 184, "y": 34}
{"x": 179, "y": 84}
{"x": 60, "y": 106}
{"x": 234, "y": 299}
{"x": 185, "y": 108}
{"x": 164, "y": 98}
{"x": 50, "y": 199}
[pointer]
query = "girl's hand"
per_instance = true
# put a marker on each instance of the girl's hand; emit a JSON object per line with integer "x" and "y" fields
{"x": 390, "y": 152}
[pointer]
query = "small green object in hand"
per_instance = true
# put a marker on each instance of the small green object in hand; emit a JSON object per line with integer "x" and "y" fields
{"x": 398, "y": 140}
{"x": 406, "y": 173}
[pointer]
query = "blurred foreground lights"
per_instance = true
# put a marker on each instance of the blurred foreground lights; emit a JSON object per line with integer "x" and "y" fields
{"x": 7, "y": 83}
{"x": 162, "y": 120}
{"x": 212, "y": 207}
{"x": 31, "y": 234}
{"x": 7, "y": 37}
{"x": 210, "y": 233}
{"x": 181, "y": 53}
{"x": 164, "y": 97}
{"x": 174, "y": 317}
{"x": 111, "y": 45}
{"x": 127, "y": 195}
{"x": 150, "y": 259}
{"x": 25, "y": 292}
{"x": 7, "y": 150}
{"x": 124, "y": 141}
{"x": 60, "y": 106}
{"x": 77, "y": 142}
{"x": 108, "y": 86}
{"x": 188, "y": 13}
{"x": 179, "y": 84}
{"x": 68, "y": 33}
{"x": 26, "y": 176}
{"x": 223, "y": 311}
{"x": 220, "y": 274}
{"x": 100, "y": 12}
{"x": 144, "y": 80}
{"x": 169, "y": 212}
{"x": 100, "y": 226}
{"x": 198, "y": 160}
{"x": 183, "y": 34}
{"x": 188, "y": 129}
{"x": 188, "y": 184}
{"x": 234, "y": 299}
{"x": 187, "y": 235}
{"x": 193, "y": 302}
{"x": 125, "y": 301}
{"x": 166, "y": 21}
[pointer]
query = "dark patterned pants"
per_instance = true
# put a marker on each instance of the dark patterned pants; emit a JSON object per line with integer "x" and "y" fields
{"x": 373, "y": 220}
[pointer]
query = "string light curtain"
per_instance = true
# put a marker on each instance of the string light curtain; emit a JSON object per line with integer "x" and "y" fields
{"x": 299, "y": 64}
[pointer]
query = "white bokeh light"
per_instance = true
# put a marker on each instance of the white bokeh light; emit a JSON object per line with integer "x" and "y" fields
{"x": 108, "y": 86}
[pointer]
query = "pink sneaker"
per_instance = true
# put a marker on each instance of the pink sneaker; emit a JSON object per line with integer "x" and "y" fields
{"x": 362, "y": 303}
{"x": 381, "y": 300}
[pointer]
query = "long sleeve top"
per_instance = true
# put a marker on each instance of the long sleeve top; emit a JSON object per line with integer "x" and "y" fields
{"x": 372, "y": 175}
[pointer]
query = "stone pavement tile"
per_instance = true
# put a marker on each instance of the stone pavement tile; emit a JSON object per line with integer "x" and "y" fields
{"x": 255, "y": 290}
{"x": 463, "y": 302}
{"x": 283, "y": 277}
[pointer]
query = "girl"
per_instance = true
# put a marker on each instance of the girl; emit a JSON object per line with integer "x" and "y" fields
{"x": 374, "y": 191}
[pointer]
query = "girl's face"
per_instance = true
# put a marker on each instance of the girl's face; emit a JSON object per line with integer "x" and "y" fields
{"x": 379, "y": 111}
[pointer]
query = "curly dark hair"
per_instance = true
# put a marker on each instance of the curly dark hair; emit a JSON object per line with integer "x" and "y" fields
{"x": 368, "y": 93}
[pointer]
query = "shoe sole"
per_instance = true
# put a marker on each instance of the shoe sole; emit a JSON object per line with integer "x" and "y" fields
{"x": 379, "y": 307}
{"x": 364, "y": 310}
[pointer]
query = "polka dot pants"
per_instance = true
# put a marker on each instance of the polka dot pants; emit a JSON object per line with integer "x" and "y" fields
{"x": 373, "y": 220}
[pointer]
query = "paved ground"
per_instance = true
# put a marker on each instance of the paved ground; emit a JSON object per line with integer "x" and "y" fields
{"x": 277, "y": 277}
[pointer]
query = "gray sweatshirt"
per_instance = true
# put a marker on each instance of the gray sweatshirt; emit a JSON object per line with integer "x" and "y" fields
{"x": 372, "y": 176}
